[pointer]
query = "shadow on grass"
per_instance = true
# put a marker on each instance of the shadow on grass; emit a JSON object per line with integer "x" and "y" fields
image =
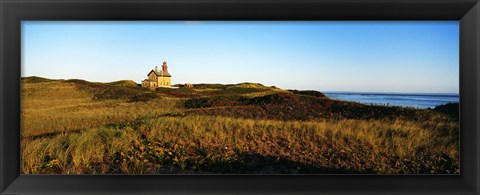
{"x": 251, "y": 164}
{"x": 52, "y": 134}
{"x": 264, "y": 164}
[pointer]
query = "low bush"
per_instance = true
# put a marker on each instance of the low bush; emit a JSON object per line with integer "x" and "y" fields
{"x": 143, "y": 97}
{"x": 277, "y": 98}
{"x": 213, "y": 101}
{"x": 289, "y": 106}
{"x": 178, "y": 92}
{"x": 309, "y": 93}
{"x": 450, "y": 109}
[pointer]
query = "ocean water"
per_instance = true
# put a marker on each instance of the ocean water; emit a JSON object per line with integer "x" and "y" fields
{"x": 396, "y": 99}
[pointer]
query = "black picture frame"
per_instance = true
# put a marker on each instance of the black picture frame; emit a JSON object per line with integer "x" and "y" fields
{"x": 12, "y": 12}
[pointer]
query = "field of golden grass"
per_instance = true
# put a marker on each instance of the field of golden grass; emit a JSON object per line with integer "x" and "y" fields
{"x": 78, "y": 127}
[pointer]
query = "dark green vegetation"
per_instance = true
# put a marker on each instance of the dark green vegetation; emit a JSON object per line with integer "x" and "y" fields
{"x": 450, "y": 109}
{"x": 76, "y": 127}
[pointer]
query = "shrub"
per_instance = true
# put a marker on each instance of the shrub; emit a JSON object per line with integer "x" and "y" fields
{"x": 212, "y": 101}
{"x": 450, "y": 109}
{"x": 198, "y": 103}
{"x": 278, "y": 98}
{"x": 143, "y": 97}
{"x": 179, "y": 92}
{"x": 309, "y": 93}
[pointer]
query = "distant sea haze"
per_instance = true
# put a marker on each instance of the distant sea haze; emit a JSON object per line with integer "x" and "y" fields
{"x": 396, "y": 99}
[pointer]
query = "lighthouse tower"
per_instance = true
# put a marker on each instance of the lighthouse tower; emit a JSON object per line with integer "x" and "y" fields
{"x": 165, "y": 67}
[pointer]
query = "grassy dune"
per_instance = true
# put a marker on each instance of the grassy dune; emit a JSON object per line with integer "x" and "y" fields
{"x": 77, "y": 127}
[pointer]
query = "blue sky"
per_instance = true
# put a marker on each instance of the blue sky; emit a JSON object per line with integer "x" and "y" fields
{"x": 420, "y": 57}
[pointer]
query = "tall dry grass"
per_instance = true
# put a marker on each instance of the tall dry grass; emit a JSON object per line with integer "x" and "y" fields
{"x": 218, "y": 144}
